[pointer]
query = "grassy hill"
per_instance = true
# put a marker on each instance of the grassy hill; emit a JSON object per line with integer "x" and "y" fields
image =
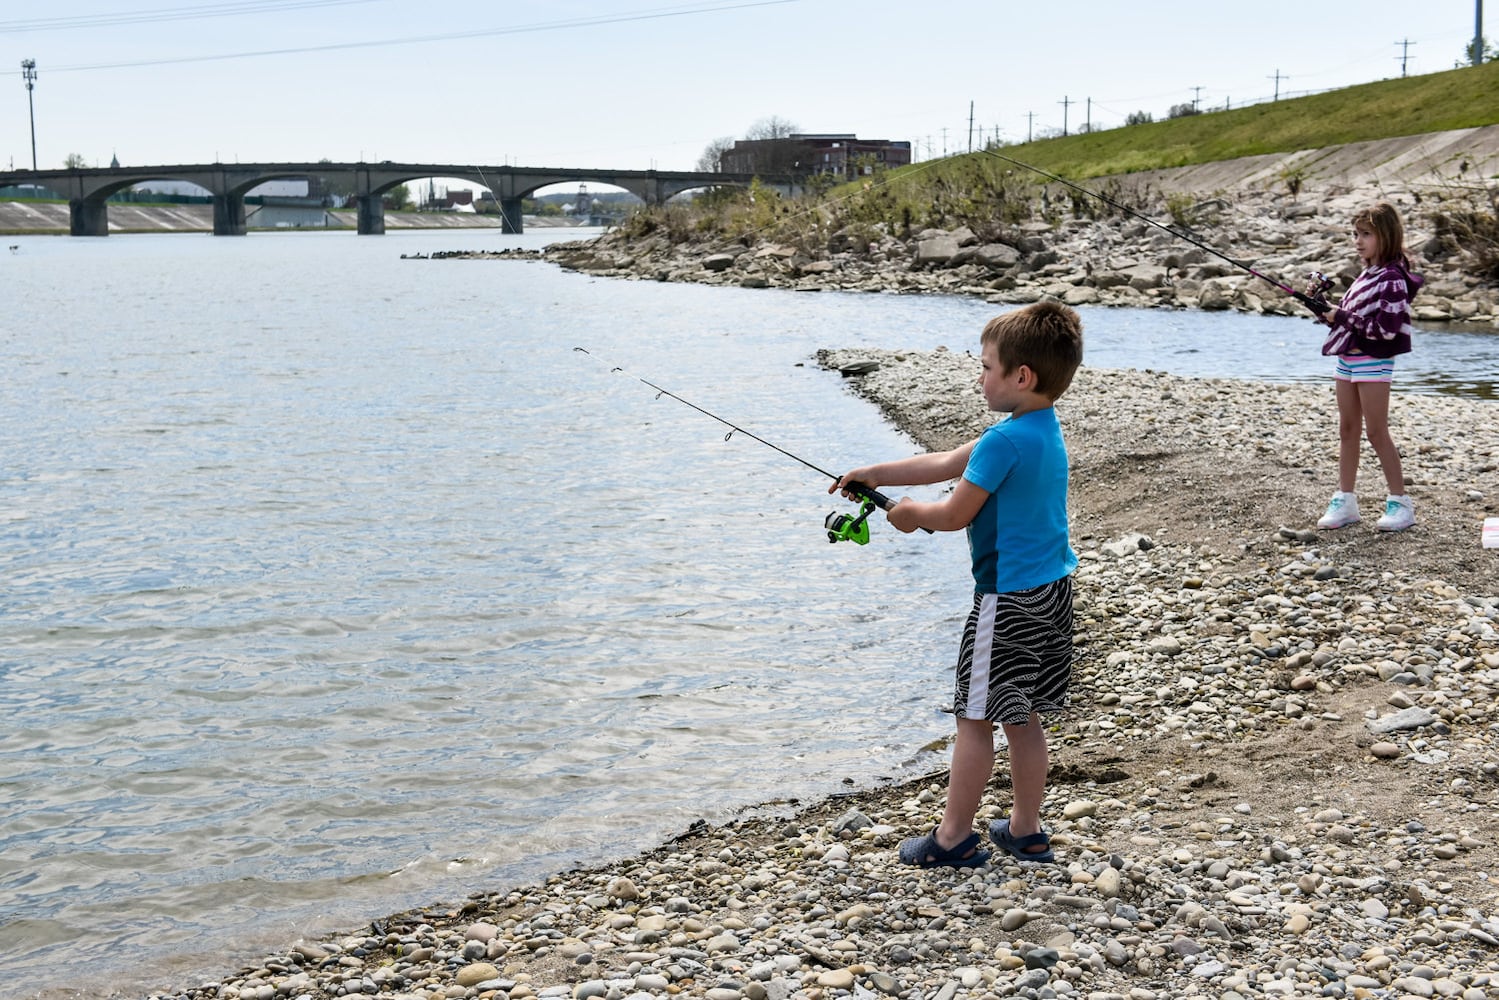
{"x": 983, "y": 192}
{"x": 1436, "y": 102}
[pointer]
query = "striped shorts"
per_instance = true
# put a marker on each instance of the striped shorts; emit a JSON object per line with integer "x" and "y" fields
{"x": 1016, "y": 656}
{"x": 1362, "y": 368}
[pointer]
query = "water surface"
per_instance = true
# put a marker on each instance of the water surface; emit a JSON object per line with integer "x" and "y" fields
{"x": 336, "y": 583}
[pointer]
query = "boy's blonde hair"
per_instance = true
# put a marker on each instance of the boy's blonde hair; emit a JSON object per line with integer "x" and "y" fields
{"x": 1046, "y": 337}
{"x": 1383, "y": 221}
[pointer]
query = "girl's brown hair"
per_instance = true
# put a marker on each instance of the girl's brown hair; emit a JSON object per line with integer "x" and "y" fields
{"x": 1384, "y": 222}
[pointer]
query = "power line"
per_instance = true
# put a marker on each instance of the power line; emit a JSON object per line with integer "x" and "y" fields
{"x": 167, "y": 14}
{"x": 582, "y": 22}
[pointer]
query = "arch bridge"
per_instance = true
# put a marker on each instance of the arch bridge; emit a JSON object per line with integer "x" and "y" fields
{"x": 88, "y": 189}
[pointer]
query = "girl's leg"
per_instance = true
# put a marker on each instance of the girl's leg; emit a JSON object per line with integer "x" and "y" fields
{"x": 1028, "y": 764}
{"x": 1350, "y": 430}
{"x": 1374, "y": 401}
{"x": 972, "y": 763}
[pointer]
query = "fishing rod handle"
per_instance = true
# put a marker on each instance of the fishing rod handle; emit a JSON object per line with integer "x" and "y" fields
{"x": 1319, "y": 306}
{"x": 880, "y": 500}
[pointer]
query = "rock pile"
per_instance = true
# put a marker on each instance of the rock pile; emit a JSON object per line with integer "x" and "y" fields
{"x": 1115, "y": 260}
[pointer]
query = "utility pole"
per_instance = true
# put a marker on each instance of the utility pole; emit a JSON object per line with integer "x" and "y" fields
{"x": 1196, "y": 96}
{"x": 1064, "y": 102}
{"x": 1477, "y": 32}
{"x": 944, "y": 140}
{"x": 1405, "y": 45}
{"x": 1030, "y": 119}
{"x": 28, "y": 74}
{"x": 1088, "y": 119}
{"x": 970, "y": 126}
{"x": 1277, "y": 78}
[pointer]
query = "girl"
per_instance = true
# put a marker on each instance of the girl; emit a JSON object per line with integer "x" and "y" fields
{"x": 1366, "y": 331}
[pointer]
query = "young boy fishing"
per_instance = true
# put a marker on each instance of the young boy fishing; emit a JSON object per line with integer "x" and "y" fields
{"x": 1015, "y": 660}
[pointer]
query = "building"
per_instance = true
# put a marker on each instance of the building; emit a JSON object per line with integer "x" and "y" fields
{"x": 803, "y": 154}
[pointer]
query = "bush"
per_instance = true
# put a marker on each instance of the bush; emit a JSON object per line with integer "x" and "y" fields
{"x": 1472, "y": 226}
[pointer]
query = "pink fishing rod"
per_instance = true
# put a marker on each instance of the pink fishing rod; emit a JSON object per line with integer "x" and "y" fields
{"x": 1316, "y": 303}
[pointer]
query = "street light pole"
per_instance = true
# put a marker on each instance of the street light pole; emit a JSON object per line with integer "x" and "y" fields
{"x": 28, "y": 73}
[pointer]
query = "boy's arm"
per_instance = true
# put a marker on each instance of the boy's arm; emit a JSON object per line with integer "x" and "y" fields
{"x": 952, "y": 513}
{"x": 918, "y": 470}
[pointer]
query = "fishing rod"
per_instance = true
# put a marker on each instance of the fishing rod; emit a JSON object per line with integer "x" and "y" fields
{"x": 840, "y": 527}
{"x": 1315, "y": 302}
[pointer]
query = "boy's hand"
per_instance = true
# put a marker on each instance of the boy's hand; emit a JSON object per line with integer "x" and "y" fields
{"x": 860, "y": 476}
{"x": 903, "y": 515}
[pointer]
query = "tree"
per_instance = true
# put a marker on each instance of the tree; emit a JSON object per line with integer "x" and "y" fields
{"x": 708, "y": 163}
{"x": 397, "y": 198}
{"x": 74, "y": 161}
{"x": 773, "y": 127}
{"x": 1139, "y": 118}
{"x": 1182, "y": 111}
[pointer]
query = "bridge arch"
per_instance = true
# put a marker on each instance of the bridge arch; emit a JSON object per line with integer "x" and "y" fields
{"x": 87, "y": 189}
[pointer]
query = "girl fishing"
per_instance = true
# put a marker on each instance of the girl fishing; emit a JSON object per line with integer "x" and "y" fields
{"x": 1370, "y": 326}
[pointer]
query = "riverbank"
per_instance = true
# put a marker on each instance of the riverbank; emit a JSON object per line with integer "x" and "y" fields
{"x": 1280, "y": 776}
{"x": 1285, "y": 215}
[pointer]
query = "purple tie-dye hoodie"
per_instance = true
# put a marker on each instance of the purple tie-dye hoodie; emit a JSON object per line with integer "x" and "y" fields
{"x": 1374, "y": 317}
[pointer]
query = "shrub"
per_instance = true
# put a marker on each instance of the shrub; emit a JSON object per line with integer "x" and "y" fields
{"x": 1472, "y": 225}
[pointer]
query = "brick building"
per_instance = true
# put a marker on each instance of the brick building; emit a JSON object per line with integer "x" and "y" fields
{"x": 801, "y": 154}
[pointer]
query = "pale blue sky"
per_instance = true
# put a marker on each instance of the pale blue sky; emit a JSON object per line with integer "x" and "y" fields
{"x": 649, "y": 83}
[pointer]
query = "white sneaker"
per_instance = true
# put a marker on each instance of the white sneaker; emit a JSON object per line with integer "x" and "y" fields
{"x": 1399, "y": 514}
{"x": 1342, "y": 510}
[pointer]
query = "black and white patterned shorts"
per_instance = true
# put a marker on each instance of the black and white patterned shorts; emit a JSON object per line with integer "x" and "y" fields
{"x": 1016, "y": 656}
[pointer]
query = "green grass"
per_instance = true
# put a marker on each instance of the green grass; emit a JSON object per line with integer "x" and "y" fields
{"x": 986, "y": 194}
{"x": 1437, "y": 102}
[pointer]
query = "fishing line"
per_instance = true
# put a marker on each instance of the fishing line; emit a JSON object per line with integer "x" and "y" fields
{"x": 1316, "y": 305}
{"x": 840, "y": 527}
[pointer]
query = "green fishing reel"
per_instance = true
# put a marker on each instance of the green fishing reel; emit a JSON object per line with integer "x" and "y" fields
{"x": 850, "y": 528}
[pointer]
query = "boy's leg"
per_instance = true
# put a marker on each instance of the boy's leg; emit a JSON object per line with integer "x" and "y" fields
{"x": 972, "y": 764}
{"x": 1028, "y": 763}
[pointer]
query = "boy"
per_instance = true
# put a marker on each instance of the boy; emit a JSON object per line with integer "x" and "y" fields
{"x": 1016, "y": 657}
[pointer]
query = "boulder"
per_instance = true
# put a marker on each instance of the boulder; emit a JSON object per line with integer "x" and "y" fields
{"x": 1145, "y": 276}
{"x": 1216, "y": 295}
{"x": 997, "y": 255}
{"x": 964, "y": 236}
{"x": 936, "y": 251}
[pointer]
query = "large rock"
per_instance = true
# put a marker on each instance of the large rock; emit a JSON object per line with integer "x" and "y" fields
{"x": 1216, "y": 295}
{"x": 935, "y": 251}
{"x": 1145, "y": 276}
{"x": 995, "y": 256}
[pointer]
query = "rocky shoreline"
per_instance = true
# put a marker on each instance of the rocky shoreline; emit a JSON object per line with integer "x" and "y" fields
{"x": 1280, "y": 776}
{"x": 1098, "y": 258}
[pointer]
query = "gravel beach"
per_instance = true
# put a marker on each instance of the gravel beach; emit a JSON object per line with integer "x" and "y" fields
{"x": 1279, "y": 778}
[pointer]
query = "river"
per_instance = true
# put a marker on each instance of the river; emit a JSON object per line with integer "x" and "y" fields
{"x": 337, "y": 583}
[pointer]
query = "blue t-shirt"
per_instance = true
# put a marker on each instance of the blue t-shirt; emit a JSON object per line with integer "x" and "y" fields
{"x": 1019, "y": 538}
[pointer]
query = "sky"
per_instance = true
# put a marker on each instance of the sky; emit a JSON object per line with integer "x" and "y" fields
{"x": 649, "y": 84}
